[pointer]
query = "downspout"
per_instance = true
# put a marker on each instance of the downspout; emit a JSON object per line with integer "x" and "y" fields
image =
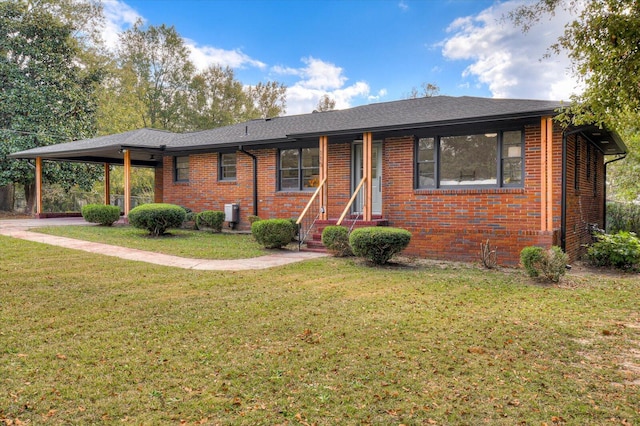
{"x": 604, "y": 200}
{"x": 255, "y": 178}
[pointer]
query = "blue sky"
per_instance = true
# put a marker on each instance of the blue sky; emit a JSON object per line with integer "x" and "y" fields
{"x": 363, "y": 51}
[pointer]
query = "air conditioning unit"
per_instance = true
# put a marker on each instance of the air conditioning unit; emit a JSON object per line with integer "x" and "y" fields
{"x": 232, "y": 214}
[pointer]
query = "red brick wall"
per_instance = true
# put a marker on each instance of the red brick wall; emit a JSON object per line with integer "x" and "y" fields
{"x": 451, "y": 223}
{"x": 585, "y": 205}
{"x": 446, "y": 223}
{"x": 158, "y": 186}
{"x": 204, "y": 191}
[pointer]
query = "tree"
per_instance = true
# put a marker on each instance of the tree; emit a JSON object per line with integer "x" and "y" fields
{"x": 602, "y": 43}
{"x": 269, "y": 98}
{"x": 427, "y": 90}
{"x": 46, "y": 93}
{"x": 160, "y": 61}
{"x": 119, "y": 107}
{"x": 326, "y": 103}
{"x": 217, "y": 99}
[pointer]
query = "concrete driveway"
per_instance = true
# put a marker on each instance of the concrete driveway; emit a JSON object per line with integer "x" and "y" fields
{"x": 20, "y": 228}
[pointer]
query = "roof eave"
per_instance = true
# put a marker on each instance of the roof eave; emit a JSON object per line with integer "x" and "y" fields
{"x": 431, "y": 124}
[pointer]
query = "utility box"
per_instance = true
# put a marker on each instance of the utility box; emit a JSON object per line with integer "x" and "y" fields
{"x": 231, "y": 214}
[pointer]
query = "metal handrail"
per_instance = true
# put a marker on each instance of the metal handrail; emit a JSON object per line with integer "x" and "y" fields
{"x": 313, "y": 198}
{"x": 351, "y": 200}
{"x": 303, "y": 232}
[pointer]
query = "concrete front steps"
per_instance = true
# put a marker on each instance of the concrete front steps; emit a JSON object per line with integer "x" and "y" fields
{"x": 314, "y": 243}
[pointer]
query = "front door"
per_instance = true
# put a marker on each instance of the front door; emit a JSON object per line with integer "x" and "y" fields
{"x": 376, "y": 177}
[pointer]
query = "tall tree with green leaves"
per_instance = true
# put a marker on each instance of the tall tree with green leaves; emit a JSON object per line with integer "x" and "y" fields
{"x": 46, "y": 93}
{"x": 160, "y": 61}
{"x": 603, "y": 44}
{"x": 120, "y": 109}
{"x": 217, "y": 99}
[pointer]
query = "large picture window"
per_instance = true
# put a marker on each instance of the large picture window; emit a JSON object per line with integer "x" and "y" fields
{"x": 298, "y": 169}
{"x": 228, "y": 166}
{"x": 486, "y": 159}
{"x": 181, "y": 169}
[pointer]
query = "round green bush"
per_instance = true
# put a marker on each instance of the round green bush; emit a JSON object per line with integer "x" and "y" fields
{"x": 157, "y": 217}
{"x": 531, "y": 258}
{"x": 550, "y": 264}
{"x": 336, "y": 240}
{"x": 273, "y": 233}
{"x": 104, "y": 215}
{"x": 253, "y": 218}
{"x": 378, "y": 244}
{"x": 210, "y": 219}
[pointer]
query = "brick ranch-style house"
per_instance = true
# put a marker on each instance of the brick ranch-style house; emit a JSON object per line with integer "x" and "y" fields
{"x": 454, "y": 171}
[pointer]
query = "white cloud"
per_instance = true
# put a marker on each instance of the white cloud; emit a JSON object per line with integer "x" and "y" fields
{"x": 316, "y": 79}
{"x": 381, "y": 94}
{"x": 203, "y": 56}
{"x": 511, "y": 63}
{"x": 403, "y": 5}
{"x": 119, "y": 16}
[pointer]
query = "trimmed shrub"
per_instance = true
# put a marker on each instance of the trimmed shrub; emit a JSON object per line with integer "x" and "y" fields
{"x": 550, "y": 264}
{"x": 336, "y": 240}
{"x": 253, "y": 218}
{"x": 210, "y": 219}
{"x": 273, "y": 233}
{"x": 189, "y": 214}
{"x": 296, "y": 229}
{"x": 621, "y": 250}
{"x": 531, "y": 258}
{"x": 378, "y": 244}
{"x": 623, "y": 217}
{"x": 157, "y": 217}
{"x": 104, "y": 215}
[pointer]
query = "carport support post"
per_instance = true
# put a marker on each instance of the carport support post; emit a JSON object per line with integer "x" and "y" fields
{"x": 367, "y": 145}
{"x": 38, "y": 186}
{"x": 107, "y": 184}
{"x": 127, "y": 182}
{"x": 324, "y": 171}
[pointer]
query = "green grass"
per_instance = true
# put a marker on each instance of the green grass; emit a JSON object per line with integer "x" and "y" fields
{"x": 178, "y": 242}
{"x": 87, "y": 339}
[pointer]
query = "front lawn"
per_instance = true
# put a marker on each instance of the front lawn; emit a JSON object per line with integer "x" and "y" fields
{"x": 89, "y": 339}
{"x": 178, "y": 242}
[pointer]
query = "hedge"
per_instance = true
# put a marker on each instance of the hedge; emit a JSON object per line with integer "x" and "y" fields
{"x": 273, "y": 233}
{"x": 336, "y": 240}
{"x": 102, "y": 214}
{"x": 210, "y": 219}
{"x": 157, "y": 217}
{"x": 378, "y": 244}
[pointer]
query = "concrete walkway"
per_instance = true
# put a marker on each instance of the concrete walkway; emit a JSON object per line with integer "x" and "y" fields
{"x": 19, "y": 228}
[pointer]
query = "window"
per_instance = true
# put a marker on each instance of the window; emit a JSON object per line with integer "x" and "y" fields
{"x": 181, "y": 169}
{"x": 492, "y": 159}
{"x": 227, "y": 166}
{"x": 511, "y": 162}
{"x": 426, "y": 163}
{"x": 299, "y": 169}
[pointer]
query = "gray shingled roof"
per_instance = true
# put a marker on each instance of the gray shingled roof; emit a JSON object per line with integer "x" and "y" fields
{"x": 378, "y": 117}
{"x": 409, "y": 113}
